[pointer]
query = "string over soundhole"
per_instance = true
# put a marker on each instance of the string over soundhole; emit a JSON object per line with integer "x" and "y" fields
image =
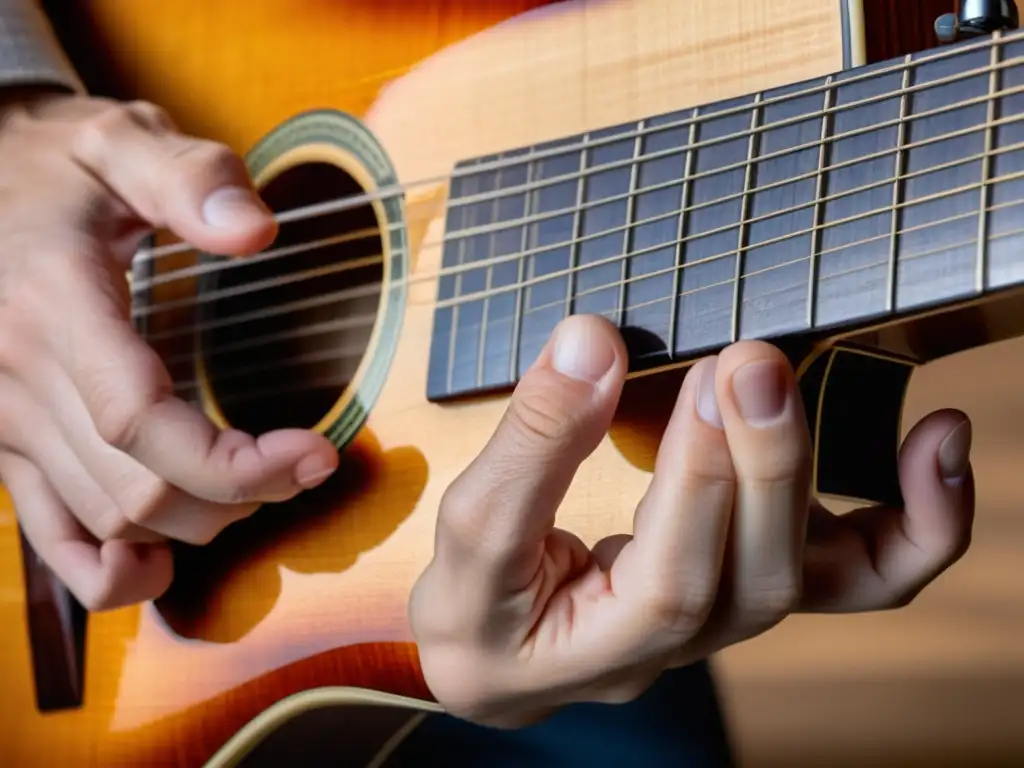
{"x": 301, "y": 334}
{"x": 283, "y": 337}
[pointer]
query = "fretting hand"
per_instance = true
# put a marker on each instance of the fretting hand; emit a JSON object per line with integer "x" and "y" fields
{"x": 103, "y": 463}
{"x": 515, "y": 618}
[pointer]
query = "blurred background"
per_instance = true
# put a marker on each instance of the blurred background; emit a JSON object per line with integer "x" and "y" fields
{"x": 940, "y": 682}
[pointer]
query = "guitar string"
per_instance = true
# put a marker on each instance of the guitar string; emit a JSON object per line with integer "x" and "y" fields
{"x": 739, "y": 165}
{"x": 212, "y": 296}
{"x": 201, "y": 269}
{"x": 802, "y": 118}
{"x": 372, "y": 289}
{"x": 349, "y": 323}
{"x": 327, "y": 207}
{"x": 717, "y": 171}
{"x": 475, "y": 328}
{"x": 617, "y": 258}
{"x": 496, "y": 227}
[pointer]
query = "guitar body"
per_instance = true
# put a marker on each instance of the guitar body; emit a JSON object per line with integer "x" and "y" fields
{"x": 304, "y": 606}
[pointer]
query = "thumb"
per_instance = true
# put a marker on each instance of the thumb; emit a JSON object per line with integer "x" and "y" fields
{"x": 198, "y": 189}
{"x": 496, "y": 515}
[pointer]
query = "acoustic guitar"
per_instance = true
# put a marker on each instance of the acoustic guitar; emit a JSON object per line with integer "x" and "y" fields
{"x": 453, "y": 178}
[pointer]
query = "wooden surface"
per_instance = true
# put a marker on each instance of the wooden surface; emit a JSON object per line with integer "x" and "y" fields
{"x": 166, "y": 687}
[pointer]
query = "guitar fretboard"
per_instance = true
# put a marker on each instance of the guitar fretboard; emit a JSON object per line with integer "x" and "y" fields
{"x": 825, "y": 204}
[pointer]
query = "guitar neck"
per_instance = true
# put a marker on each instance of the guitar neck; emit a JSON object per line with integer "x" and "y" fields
{"x": 823, "y": 206}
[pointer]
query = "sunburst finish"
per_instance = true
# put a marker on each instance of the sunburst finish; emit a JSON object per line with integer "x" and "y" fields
{"x": 311, "y": 595}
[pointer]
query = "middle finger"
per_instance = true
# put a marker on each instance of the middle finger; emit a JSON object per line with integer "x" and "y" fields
{"x": 139, "y": 498}
{"x": 769, "y": 441}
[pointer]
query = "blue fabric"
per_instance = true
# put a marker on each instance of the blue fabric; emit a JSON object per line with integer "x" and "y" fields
{"x": 677, "y": 722}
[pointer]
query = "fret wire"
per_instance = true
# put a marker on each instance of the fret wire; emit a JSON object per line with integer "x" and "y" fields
{"x": 789, "y": 235}
{"x": 457, "y": 291}
{"x": 577, "y": 221}
{"x": 890, "y": 299}
{"x": 398, "y": 190}
{"x": 981, "y": 262}
{"x": 853, "y": 270}
{"x": 864, "y": 76}
{"x": 628, "y": 234}
{"x": 792, "y": 209}
{"x": 975, "y": 186}
{"x": 860, "y": 268}
{"x": 517, "y": 315}
{"x": 682, "y": 231}
{"x": 191, "y": 385}
{"x": 743, "y": 232}
{"x": 1017, "y": 202}
{"x": 444, "y": 271}
{"x": 488, "y": 285}
{"x": 740, "y": 165}
{"x": 862, "y": 241}
{"x": 485, "y": 196}
{"x": 923, "y": 254}
{"x": 317, "y": 301}
{"x": 819, "y": 211}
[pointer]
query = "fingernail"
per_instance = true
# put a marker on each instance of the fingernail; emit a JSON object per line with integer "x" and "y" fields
{"x": 707, "y": 398}
{"x": 233, "y": 208}
{"x": 582, "y": 350}
{"x": 955, "y": 453}
{"x": 761, "y": 392}
{"x": 312, "y": 471}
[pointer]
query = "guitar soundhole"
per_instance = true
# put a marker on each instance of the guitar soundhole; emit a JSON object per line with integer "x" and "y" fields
{"x": 284, "y": 333}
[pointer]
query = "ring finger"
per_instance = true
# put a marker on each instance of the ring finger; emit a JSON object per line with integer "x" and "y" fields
{"x": 101, "y": 576}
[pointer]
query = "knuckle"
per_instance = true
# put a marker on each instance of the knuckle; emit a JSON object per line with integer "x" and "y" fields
{"x": 116, "y": 423}
{"x": 708, "y": 468}
{"x": 144, "y": 500}
{"x": 98, "y": 596}
{"x": 119, "y": 417}
{"x": 459, "y": 680}
{"x": 99, "y": 134}
{"x": 788, "y": 460}
{"x": 683, "y": 607}
{"x": 771, "y": 603}
{"x": 201, "y": 536}
{"x": 152, "y": 115}
{"x": 539, "y": 414}
{"x": 459, "y": 516}
{"x": 215, "y": 158}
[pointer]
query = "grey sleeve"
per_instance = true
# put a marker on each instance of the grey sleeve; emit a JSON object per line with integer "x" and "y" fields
{"x": 29, "y": 51}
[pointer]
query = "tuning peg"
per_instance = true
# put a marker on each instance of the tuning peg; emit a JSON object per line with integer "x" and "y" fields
{"x": 977, "y": 17}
